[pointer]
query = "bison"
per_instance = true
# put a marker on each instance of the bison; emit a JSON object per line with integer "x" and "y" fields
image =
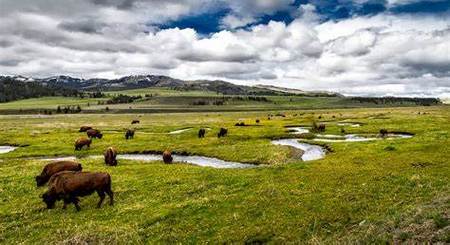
{"x": 129, "y": 134}
{"x": 110, "y": 156}
{"x": 135, "y": 122}
{"x": 257, "y": 121}
{"x": 56, "y": 167}
{"x": 222, "y": 132}
{"x": 383, "y": 132}
{"x": 201, "y": 133}
{"x": 94, "y": 133}
{"x": 84, "y": 128}
{"x": 79, "y": 143}
{"x": 167, "y": 157}
{"x": 69, "y": 185}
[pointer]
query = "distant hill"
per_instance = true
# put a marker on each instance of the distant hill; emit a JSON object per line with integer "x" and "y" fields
{"x": 21, "y": 88}
{"x": 299, "y": 92}
{"x": 149, "y": 81}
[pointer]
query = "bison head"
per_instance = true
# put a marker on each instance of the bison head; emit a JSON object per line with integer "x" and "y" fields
{"x": 99, "y": 135}
{"x": 49, "y": 200}
{"x": 40, "y": 181}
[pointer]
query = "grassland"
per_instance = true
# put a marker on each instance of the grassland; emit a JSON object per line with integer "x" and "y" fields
{"x": 169, "y": 100}
{"x": 367, "y": 192}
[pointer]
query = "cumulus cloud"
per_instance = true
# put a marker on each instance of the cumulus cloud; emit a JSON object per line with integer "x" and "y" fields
{"x": 363, "y": 55}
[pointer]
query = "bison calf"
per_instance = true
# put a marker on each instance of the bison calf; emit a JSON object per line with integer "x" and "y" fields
{"x": 94, "y": 133}
{"x": 129, "y": 134}
{"x": 110, "y": 156}
{"x": 167, "y": 157}
{"x": 56, "y": 167}
{"x": 84, "y": 128}
{"x": 201, "y": 133}
{"x": 69, "y": 185}
{"x": 79, "y": 143}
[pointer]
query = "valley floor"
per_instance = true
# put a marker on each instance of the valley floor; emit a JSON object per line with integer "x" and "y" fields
{"x": 368, "y": 192}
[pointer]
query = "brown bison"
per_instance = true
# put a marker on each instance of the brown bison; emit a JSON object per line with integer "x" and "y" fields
{"x": 167, "y": 157}
{"x": 110, "y": 156}
{"x": 129, "y": 134}
{"x": 56, "y": 167}
{"x": 201, "y": 133}
{"x": 79, "y": 143}
{"x": 257, "y": 121}
{"x": 69, "y": 185}
{"x": 222, "y": 132}
{"x": 94, "y": 133}
{"x": 84, "y": 128}
{"x": 135, "y": 122}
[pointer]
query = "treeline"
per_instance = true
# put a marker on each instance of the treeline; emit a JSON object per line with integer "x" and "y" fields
{"x": 223, "y": 100}
{"x": 11, "y": 90}
{"x": 397, "y": 100}
{"x": 123, "y": 99}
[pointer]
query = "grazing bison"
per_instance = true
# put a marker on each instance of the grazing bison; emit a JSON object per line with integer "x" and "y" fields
{"x": 56, "y": 167}
{"x": 318, "y": 127}
{"x": 79, "y": 143}
{"x": 240, "y": 124}
{"x": 94, "y": 133}
{"x": 167, "y": 157}
{"x": 110, "y": 156}
{"x": 84, "y": 128}
{"x": 135, "y": 122}
{"x": 222, "y": 132}
{"x": 201, "y": 133}
{"x": 321, "y": 128}
{"x": 129, "y": 134}
{"x": 69, "y": 185}
{"x": 383, "y": 133}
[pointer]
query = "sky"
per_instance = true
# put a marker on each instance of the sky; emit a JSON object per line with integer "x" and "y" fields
{"x": 355, "y": 47}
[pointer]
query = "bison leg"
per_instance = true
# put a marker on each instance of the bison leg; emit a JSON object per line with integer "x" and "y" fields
{"x": 101, "y": 194}
{"x": 66, "y": 201}
{"x": 75, "y": 202}
{"x": 111, "y": 196}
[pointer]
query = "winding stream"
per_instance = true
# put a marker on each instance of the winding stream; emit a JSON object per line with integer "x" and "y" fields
{"x": 6, "y": 149}
{"x": 311, "y": 152}
{"x": 196, "y": 160}
{"x": 180, "y": 131}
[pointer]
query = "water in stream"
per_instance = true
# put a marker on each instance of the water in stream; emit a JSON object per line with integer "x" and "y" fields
{"x": 6, "y": 149}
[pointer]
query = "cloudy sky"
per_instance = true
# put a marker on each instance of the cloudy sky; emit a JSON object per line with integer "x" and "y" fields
{"x": 357, "y": 47}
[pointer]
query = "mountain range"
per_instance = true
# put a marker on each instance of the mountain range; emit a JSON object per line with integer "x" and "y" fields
{"x": 157, "y": 81}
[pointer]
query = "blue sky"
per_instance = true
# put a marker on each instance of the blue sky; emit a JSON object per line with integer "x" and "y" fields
{"x": 209, "y": 21}
{"x": 356, "y": 47}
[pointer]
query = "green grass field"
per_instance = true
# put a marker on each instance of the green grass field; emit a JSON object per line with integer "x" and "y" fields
{"x": 169, "y": 100}
{"x": 362, "y": 192}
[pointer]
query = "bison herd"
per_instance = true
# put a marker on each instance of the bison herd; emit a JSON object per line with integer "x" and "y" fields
{"x": 66, "y": 181}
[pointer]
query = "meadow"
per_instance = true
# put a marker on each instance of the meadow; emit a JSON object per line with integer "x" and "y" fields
{"x": 367, "y": 192}
{"x": 160, "y": 100}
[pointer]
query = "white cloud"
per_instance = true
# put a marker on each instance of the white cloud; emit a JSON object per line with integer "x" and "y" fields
{"x": 403, "y": 54}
